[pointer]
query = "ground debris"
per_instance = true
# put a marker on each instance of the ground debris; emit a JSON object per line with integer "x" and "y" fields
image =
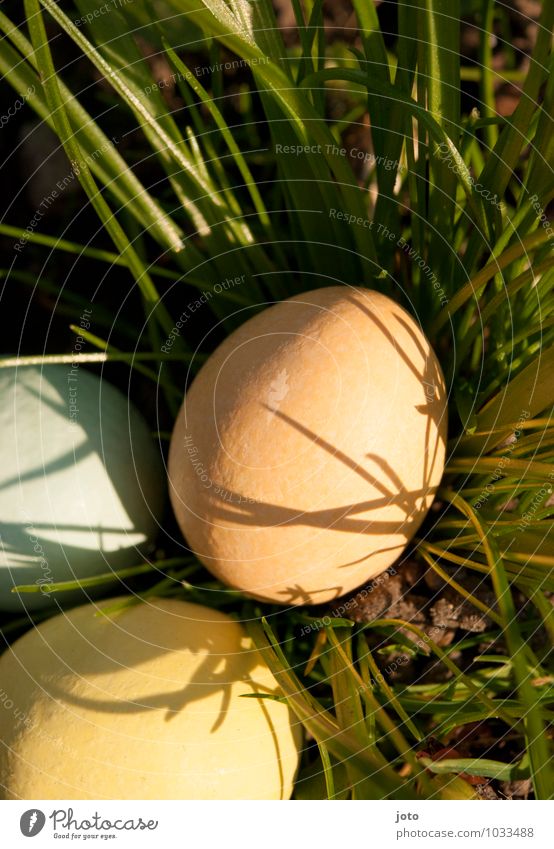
{"x": 418, "y": 595}
{"x": 487, "y": 791}
{"x": 522, "y": 788}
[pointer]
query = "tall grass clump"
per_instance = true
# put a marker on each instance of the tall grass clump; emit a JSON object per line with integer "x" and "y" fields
{"x": 210, "y": 150}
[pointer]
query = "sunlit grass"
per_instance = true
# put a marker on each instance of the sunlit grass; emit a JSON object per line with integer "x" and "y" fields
{"x": 466, "y": 193}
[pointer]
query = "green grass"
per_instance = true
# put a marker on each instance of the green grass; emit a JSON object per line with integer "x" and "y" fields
{"x": 209, "y": 198}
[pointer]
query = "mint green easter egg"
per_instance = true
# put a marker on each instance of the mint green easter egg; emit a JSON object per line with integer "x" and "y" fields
{"x": 81, "y": 482}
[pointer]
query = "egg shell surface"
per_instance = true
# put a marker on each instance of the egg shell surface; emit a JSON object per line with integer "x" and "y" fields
{"x": 142, "y": 703}
{"x": 81, "y": 482}
{"x": 310, "y": 445}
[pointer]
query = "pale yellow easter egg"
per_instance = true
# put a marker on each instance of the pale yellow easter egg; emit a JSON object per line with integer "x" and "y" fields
{"x": 143, "y": 703}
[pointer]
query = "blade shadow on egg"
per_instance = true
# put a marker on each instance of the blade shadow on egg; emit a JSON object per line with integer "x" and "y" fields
{"x": 95, "y": 660}
{"x": 214, "y": 673}
{"x": 235, "y": 507}
{"x": 146, "y": 702}
{"x": 42, "y": 563}
{"x": 81, "y": 483}
{"x": 309, "y": 447}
